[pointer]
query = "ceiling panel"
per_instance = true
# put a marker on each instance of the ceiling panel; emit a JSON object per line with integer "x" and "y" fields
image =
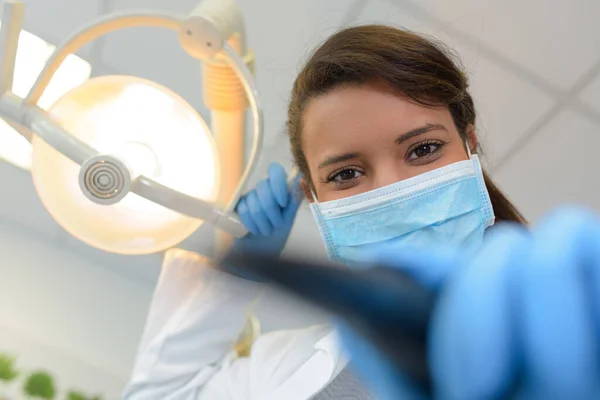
{"x": 557, "y": 166}
{"x": 20, "y": 206}
{"x": 591, "y": 94}
{"x": 55, "y": 20}
{"x": 507, "y": 105}
{"x": 554, "y": 40}
{"x": 181, "y": 6}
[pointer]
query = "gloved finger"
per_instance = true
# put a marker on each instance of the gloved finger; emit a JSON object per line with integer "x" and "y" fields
{"x": 473, "y": 343}
{"x": 258, "y": 215}
{"x": 244, "y": 213}
{"x": 278, "y": 183}
{"x": 295, "y": 197}
{"x": 430, "y": 269}
{"x": 373, "y": 367}
{"x": 269, "y": 205}
{"x": 592, "y": 280}
{"x": 591, "y": 267}
{"x": 561, "y": 349}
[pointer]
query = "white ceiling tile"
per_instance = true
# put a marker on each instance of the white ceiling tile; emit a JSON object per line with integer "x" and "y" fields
{"x": 56, "y": 20}
{"x": 591, "y": 94}
{"x": 20, "y": 204}
{"x": 396, "y": 15}
{"x": 180, "y": 6}
{"x": 507, "y": 105}
{"x": 555, "y": 167}
{"x": 557, "y": 40}
{"x": 388, "y": 13}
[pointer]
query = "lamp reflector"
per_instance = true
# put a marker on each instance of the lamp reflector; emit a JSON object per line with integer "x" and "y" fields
{"x": 155, "y": 133}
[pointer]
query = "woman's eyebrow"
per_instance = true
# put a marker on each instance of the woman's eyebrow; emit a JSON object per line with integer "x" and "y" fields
{"x": 401, "y": 139}
{"x": 419, "y": 131}
{"x": 337, "y": 158}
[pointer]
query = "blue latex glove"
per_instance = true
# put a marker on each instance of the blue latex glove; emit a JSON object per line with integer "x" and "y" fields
{"x": 521, "y": 317}
{"x": 526, "y": 308}
{"x": 268, "y": 212}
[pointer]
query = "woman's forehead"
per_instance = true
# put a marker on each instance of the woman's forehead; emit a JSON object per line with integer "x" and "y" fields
{"x": 355, "y": 115}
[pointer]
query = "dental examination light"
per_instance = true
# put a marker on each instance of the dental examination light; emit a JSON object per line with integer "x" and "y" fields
{"x": 124, "y": 164}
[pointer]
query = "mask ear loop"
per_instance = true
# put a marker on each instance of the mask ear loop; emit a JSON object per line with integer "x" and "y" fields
{"x": 314, "y": 196}
{"x": 468, "y": 149}
{"x": 312, "y": 193}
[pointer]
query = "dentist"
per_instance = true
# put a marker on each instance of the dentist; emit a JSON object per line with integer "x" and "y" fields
{"x": 382, "y": 128}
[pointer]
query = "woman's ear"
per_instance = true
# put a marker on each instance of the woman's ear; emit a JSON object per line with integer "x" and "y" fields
{"x": 306, "y": 189}
{"x": 472, "y": 138}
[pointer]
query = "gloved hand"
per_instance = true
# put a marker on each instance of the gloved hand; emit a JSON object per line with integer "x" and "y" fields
{"x": 268, "y": 212}
{"x": 520, "y": 318}
{"x": 524, "y": 315}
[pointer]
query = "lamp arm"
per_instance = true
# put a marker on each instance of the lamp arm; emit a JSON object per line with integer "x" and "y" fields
{"x": 13, "y": 13}
{"x": 245, "y": 76}
{"x": 188, "y": 205}
{"x": 45, "y": 128}
{"x": 93, "y": 30}
{"x": 36, "y": 120}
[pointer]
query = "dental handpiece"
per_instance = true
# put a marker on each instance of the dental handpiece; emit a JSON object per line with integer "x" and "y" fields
{"x": 382, "y": 304}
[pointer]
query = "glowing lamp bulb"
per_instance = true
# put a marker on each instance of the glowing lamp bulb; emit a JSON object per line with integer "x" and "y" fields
{"x": 155, "y": 133}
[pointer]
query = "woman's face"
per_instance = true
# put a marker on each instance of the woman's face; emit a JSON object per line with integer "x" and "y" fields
{"x": 360, "y": 138}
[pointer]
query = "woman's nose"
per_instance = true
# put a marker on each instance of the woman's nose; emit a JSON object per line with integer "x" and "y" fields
{"x": 389, "y": 173}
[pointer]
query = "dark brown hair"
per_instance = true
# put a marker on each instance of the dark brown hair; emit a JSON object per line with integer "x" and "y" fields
{"x": 420, "y": 68}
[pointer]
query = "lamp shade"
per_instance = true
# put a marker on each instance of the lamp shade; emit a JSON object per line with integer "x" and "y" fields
{"x": 156, "y": 134}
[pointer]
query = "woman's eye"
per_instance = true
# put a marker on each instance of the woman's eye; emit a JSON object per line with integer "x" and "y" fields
{"x": 345, "y": 175}
{"x": 424, "y": 150}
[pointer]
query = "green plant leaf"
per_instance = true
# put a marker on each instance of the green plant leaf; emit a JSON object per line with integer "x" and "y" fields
{"x": 8, "y": 373}
{"x": 74, "y": 395}
{"x": 40, "y": 385}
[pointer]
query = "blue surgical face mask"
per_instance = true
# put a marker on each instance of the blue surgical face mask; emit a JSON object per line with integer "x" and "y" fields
{"x": 449, "y": 206}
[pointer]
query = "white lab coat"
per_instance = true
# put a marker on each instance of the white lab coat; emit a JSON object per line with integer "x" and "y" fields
{"x": 186, "y": 352}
